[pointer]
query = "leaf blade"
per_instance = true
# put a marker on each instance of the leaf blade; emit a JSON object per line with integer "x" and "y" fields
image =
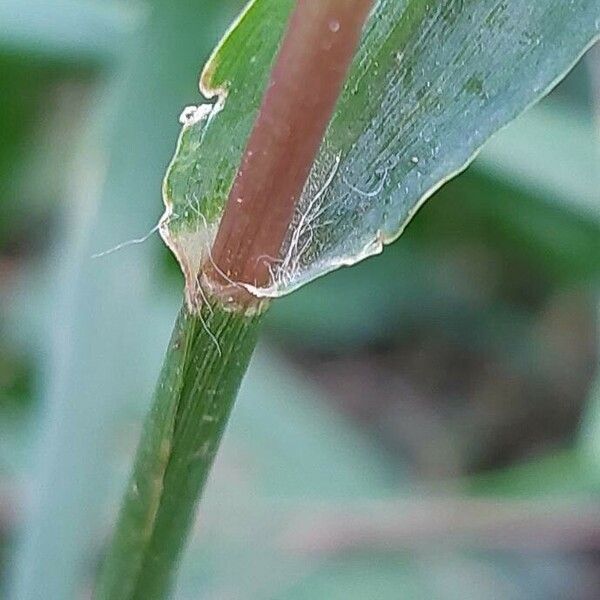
{"x": 430, "y": 84}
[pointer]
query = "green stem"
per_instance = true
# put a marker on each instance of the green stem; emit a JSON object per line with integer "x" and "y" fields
{"x": 205, "y": 363}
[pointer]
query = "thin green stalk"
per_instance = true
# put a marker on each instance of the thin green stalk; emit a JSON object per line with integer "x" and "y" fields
{"x": 206, "y": 360}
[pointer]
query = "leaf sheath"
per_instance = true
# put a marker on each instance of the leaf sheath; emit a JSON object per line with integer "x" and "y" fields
{"x": 205, "y": 363}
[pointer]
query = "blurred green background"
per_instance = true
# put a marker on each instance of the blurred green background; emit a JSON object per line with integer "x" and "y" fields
{"x": 423, "y": 425}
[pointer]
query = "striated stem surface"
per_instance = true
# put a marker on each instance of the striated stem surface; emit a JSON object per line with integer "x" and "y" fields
{"x": 205, "y": 362}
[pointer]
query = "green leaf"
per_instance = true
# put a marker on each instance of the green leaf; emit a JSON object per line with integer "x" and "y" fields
{"x": 430, "y": 84}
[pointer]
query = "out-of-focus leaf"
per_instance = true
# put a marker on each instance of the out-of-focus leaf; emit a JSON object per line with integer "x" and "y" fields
{"x": 553, "y": 153}
{"x": 93, "y": 337}
{"x": 68, "y": 30}
{"x": 41, "y": 116}
{"x": 589, "y": 442}
{"x": 430, "y": 84}
{"x": 569, "y": 473}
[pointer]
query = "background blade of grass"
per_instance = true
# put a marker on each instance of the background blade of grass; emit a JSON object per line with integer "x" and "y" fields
{"x": 116, "y": 197}
{"x": 75, "y": 31}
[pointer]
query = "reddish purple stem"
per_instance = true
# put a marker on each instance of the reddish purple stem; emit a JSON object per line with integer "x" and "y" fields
{"x": 305, "y": 83}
